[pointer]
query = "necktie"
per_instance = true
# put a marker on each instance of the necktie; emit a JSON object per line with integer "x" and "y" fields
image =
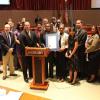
{"x": 8, "y": 39}
{"x": 60, "y": 41}
{"x": 29, "y": 34}
{"x": 38, "y": 34}
{"x": 77, "y": 31}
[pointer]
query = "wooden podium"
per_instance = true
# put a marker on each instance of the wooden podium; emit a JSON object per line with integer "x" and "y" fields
{"x": 38, "y": 66}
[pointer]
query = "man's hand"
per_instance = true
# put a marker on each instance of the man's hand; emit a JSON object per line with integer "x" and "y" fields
{"x": 17, "y": 41}
{"x": 70, "y": 56}
{"x": 38, "y": 45}
{"x": 10, "y": 50}
{"x": 61, "y": 49}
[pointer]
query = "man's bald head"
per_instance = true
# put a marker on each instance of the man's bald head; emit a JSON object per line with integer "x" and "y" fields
{"x": 27, "y": 25}
{"x": 7, "y": 28}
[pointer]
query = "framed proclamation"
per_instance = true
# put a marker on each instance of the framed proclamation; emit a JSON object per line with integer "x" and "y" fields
{"x": 52, "y": 41}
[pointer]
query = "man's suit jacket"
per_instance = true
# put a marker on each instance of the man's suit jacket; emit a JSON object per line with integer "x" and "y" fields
{"x": 82, "y": 36}
{"x": 26, "y": 40}
{"x": 40, "y": 40}
{"x": 4, "y": 42}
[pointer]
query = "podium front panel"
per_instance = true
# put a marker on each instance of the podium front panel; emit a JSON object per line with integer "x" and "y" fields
{"x": 38, "y": 70}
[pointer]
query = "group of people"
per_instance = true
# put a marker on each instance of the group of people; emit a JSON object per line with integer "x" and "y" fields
{"x": 78, "y": 55}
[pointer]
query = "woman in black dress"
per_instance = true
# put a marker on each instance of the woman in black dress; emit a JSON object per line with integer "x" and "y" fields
{"x": 71, "y": 55}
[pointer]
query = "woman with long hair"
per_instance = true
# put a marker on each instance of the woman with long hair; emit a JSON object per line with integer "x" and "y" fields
{"x": 71, "y": 55}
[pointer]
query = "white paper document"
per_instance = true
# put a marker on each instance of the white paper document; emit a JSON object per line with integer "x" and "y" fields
{"x": 10, "y": 96}
{"x": 52, "y": 42}
{"x": 2, "y": 92}
{"x": 14, "y": 95}
{"x": 3, "y": 95}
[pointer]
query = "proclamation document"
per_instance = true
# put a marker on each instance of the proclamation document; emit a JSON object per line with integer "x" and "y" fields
{"x": 52, "y": 41}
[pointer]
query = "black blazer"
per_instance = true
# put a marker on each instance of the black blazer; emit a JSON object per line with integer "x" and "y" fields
{"x": 82, "y": 36}
{"x": 5, "y": 46}
{"x": 40, "y": 40}
{"x": 26, "y": 40}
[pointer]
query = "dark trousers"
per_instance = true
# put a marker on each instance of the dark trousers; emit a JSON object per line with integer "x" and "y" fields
{"x": 82, "y": 65}
{"x": 51, "y": 61}
{"x": 94, "y": 61}
{"x": 46, "y": 67}
{"x": 27, "y": 66}
{"x": 0, "y": 54}
{"x": 60, "y": 65}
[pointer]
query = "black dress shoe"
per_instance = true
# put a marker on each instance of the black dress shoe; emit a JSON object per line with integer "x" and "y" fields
{"x": 73, "y": 83}
{"x": 91, "y": 80}
{"x": 1, "y": 71}
{"x": 13, "y": 74}
{"x": 62, "y": 80}
{"x": 30, "y": 78}
{"x": 4, "y": 77}
{"x": 26, "y": 80}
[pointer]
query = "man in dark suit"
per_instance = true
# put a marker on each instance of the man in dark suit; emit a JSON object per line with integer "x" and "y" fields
{"x": 51, "y": 56}
{"x": 39, "y": 36}
{"x": 0, "y": 60}
{"x": 82, "y": 36}
{"x": 27, "y": 39}
{"x": 7, "y": 41}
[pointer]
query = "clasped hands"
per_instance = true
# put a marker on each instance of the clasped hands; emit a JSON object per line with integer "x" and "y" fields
{"x": 10, "y": 50}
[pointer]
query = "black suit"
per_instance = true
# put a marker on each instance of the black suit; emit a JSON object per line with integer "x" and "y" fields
{"x": 0, "y": 54}
{"x": 40, "y": 40}
{"x": 5, "y": 44}
{"x": 26, "y": 40}
{"x": 49, "y": 59}
{"x": 82, "y": 36}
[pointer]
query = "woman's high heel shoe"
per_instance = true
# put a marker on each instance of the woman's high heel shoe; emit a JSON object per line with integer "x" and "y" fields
{"x": 73, "y": 83}
{"x": 69, "y": 81}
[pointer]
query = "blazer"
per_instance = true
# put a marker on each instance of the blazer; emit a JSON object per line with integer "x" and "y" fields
{"x": 26, "y": 40}
{"x": 93, "y": 43}
{"x": 82, "y": 36}
{"x": 5, "y": 46}
{"x": 63, "y": 39}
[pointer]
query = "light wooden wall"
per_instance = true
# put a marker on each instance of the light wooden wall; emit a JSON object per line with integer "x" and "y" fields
{"x": 88, "y": 16}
